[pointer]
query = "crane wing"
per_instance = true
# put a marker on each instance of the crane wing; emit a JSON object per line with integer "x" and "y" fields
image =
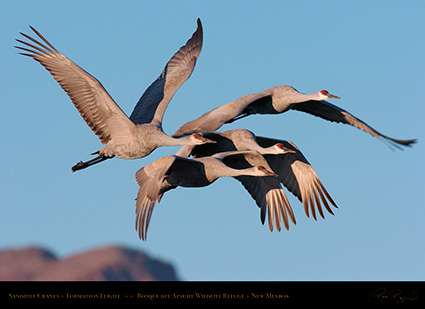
{"x": 157, "y": 178}
{"x": 95, "y": 105}
{"x": 215, "y": 118}
{"x": 153, "y": 103}
{"x": 328, "y": 111}
{"x": 266, "y": 191}
{"x": 150, "y": 179}
{"x": 298, "y": 176}
{"x": 270, "y": 197}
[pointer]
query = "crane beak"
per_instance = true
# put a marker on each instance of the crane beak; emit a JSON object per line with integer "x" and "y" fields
{"x": 208, "y": 141}
{"x": 331, "y": 96}
{"x": 268, "y": 173}
{"x": 287, "y": 150}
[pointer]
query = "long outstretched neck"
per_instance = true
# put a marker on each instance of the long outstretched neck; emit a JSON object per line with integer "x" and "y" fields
{"x": 163, "y": 139}
{"x": 276, "y": 149}
{"x": 188, "y": 140}
{"x": 226, "y": 171}
{"x": 299, "y": 97}
{"x": 171, "y": 141}
{"x": 252, "y": 145}
{"x": 193, "y": 139}
{"x": 268, "y": 150}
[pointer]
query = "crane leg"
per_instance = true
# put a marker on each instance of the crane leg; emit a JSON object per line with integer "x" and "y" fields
{"x": 82, "y": 165}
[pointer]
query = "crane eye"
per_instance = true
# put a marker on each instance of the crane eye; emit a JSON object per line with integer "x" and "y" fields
{"x": 197, "y": 135}
{"x": 279, "y": 145}
{"x": 324, "y": 92}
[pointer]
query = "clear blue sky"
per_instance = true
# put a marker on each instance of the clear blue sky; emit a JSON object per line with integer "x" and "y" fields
{"x": 370, "y": 53}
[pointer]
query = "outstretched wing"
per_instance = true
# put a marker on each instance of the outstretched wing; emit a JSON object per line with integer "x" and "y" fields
{"x": 157, "y": 178}
{"x": 266, "y": 191}
{"x": 299, "y": 177}
{"x": 150, "y": 179}
{"x": 270, "y": 197}
{"x": 328, "y": 111}
{"x": 153, "y": 103}
{"x": 95, "y": 105}
{"x": 215, "y": 118}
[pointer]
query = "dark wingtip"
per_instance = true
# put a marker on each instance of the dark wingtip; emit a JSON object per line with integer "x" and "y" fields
{"x": 410, "y": 142}
{"x": 397, "y": 143}
{"x": 199, "y": 31}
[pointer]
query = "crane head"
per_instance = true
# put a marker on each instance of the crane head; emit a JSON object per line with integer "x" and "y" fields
{"x": 282, "y": 149}
{"x": 199, "y": 139}
{"x": 324, "y": 94}
{"x": 265, "y": 172}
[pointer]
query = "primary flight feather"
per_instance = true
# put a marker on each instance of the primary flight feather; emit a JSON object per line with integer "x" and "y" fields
{"x": 126, "y": 138}
{"x": 277, "y": 100}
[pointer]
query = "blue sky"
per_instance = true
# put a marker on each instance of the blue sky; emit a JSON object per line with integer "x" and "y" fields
{"x": 370, "y": 53}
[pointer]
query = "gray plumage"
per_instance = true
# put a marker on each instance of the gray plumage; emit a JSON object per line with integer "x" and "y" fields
{"x": 173, "y": 171}
{"x": 283, "y": 157}
{"x": 277, "y": 100}
{"x": 126, "y": 138}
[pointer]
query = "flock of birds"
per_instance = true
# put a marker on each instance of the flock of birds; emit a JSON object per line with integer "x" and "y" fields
{"x": 261, "y": 164}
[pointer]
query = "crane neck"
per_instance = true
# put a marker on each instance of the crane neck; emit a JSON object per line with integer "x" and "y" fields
{"x": 249, "y": 144}
{"x": 219, "y": 169}
{"x": 268, "y": 150}
{"x": 171, "y": 141}
{"x": 302, "y": 97}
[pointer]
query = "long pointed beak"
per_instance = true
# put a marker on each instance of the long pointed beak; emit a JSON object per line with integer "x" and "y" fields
{"x": 208, "y": 141}
{"x": 331, "y": 96}
{"x": 269, "y": 173}
{"x": 287, "y": 150}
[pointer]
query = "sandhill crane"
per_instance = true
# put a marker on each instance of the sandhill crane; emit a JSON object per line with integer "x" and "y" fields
{"x": 173, "y": 171}
{"x": 283, "y": 157}
{"x": 277, "y": 100}
{"x": 126, "y": 138}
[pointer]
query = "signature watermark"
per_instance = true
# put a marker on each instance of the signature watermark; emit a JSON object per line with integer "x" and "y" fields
{"x": 384, "y": 296}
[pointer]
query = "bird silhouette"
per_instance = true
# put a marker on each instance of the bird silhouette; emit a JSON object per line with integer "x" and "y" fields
{"x": 283, "y": 158}
{"x": 124, "y": 137}
{"x": 277, "y": 100}
{"x": 174, "y": 171}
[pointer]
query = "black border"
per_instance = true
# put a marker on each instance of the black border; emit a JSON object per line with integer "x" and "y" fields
{"x": 229, "y": 292}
